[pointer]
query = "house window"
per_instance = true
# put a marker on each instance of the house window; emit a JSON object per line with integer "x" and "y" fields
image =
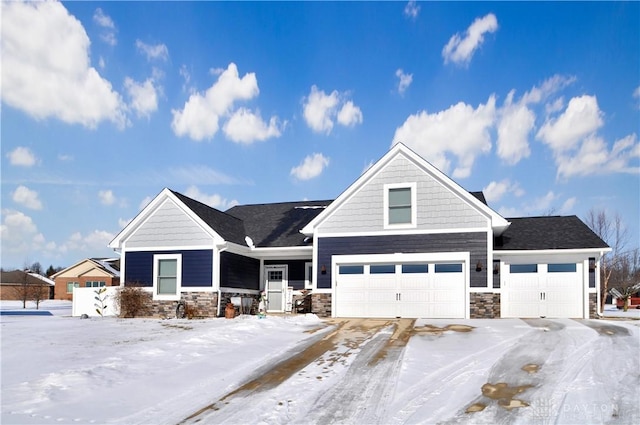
{"x": 400, "y": 205}
{"x": 382, "y": 269}
{"x": 71, "y": 285}
{"x": 167, "y": 276}
{"x": 415, "y": 268}
{"x": 561, "y": 268}
{"x": 94, "y": 284}
{"x": 448, "y": 268}
{"x": 523, "y": 268}
{"x": 351, "y": 270}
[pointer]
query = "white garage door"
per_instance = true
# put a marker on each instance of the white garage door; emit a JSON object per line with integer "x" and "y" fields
{"x": 543, "y": 290}
{"x": 416, "y": 290}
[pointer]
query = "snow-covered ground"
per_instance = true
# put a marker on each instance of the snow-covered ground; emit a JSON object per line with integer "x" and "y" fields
{"x": 58, "y": 369}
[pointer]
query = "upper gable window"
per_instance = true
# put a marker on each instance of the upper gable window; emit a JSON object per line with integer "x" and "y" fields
{"x": 400, "y": 205}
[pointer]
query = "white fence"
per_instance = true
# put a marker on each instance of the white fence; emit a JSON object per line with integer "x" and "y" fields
{"x": 85, "y": 302}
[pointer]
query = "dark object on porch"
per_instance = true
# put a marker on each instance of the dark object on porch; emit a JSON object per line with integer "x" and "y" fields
{"x": 303, "y": 304}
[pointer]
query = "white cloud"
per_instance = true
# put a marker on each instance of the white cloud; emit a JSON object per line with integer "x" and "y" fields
{"x": 153, "y": 51}
{"x": 103, "y": 20}
{"x": 94, "y": 242}
{"x": 567, "y": 206}
{"x": 461, "y": 131}
{"x": 554, "y": 106}
{"x": 578, "y": 149}
{"x": 144, "y": 96}
{"x": 247, "y": 127}
{"x": 27, "y": 198}
{"x": 321, "y": 109}
{"x": 636, "y": 95}
{"x": 494, "y": 191}
{"x": 65, "y": 157}
{"x": 214, "y": 201}
{"x": 109, "y": 28}
{"x": 311, "y": 167}
{"x": 460, "y": 50}
{"x": 404, "y": 82}
{"x": 46, "y": 69}
{"x": 186, "y": 76}
{"x": 146, "y": 201}
{"x": 581, "y": 118}
{"x": 201, "y": 113}
{"x": 19, "y": 237}
{"x": 548, "y": 87}
{"x": 514, "y": 125}
{"x": 349, "y": 114}
{"x": 122, "y": 222}
{"x": 544, "y": 203}
{"x": 516, "y": 120}
{"x": 18, "y": 233}
{"x": 367, "y": 166}
{"x": 411, "y": 9}
{"x": 22, "y": 157}
{"x": 107, "y": 197}
{"x": 594, "y": 157}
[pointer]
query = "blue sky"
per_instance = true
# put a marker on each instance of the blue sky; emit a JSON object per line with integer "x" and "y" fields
{"x": 106, "y": 103}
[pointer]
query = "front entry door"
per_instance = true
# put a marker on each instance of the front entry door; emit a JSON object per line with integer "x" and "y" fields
{"x": 276, "y": 286}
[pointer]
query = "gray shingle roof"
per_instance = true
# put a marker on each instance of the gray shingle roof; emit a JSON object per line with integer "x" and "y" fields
{"x": 549, "y": 232}
{"x": 227, "y": 226}
{"x": 480, "y": 197}
{"x": 279, "y": 224}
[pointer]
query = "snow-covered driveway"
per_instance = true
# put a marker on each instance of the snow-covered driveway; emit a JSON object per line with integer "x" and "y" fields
{"x": 436, "y": 371}
{"x": 303, "y": 370}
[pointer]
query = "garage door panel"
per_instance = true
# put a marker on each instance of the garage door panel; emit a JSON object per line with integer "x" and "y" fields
{"x": 412, "y": 290}
{"x": 410, "y": 282}
{"x": 544, "y": 292}
{"x": 444, "y": 312}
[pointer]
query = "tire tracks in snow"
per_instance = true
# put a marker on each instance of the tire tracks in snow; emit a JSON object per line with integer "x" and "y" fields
{"x": 369, "y": 350}
{"x": 369, "y": 378}
{"x": 569, "y": 359}
{"x": 429, "y": 386}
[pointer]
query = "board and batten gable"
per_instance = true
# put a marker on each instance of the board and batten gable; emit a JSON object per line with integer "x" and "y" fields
{"x": 438, "y": 207}
{"x": 169, "y": 226}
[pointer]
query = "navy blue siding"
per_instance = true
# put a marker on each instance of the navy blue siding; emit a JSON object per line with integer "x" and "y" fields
{"x": 197, "y": 267}
{"x": 296, "y": 271}
{"x": 473, "y": 242}
{"x": 238, "y": 271}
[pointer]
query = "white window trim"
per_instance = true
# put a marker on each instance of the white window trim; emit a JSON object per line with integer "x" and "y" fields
{"x": 166, "y": 297}
{"x": 414, "y": 206}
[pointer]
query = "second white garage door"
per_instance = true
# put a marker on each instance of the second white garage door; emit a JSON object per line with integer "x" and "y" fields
{"x": 416, "y": 290}
{"x": 543, "y": 290}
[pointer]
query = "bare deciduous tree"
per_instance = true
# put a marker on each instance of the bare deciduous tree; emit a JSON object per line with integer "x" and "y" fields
{"x": 610, "y": 229}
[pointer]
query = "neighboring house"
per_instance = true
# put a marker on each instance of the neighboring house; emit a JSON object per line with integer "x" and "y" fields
{"x": 88, "y": 273}
{"x": 404, "y": 240}
{"x": 14, "y": 285}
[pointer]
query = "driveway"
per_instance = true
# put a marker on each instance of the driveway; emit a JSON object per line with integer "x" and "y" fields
{"x": 355, "y": 371}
